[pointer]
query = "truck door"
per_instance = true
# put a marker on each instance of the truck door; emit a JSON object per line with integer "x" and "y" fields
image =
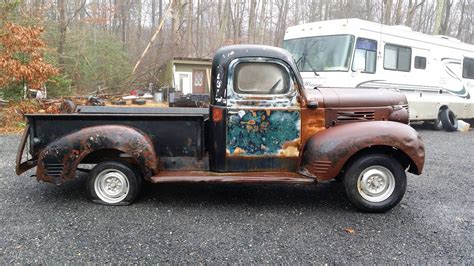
{"x": 263, "y": 120}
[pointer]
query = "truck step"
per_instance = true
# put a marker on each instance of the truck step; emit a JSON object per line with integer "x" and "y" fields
{"x": 235, "y": 177}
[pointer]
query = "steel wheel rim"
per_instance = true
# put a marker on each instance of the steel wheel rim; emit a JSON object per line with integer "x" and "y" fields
{"x": 376, "y": 183}
{"x": 111, "y": 186}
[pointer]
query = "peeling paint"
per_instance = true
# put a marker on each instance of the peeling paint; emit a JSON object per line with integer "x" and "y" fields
{"x": 263, "y": 132}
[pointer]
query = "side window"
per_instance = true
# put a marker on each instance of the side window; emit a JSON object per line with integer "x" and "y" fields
{"x": 261, "y": 78}
{"x": 420, "y": 62}
{"x": 468, "y": 68}
{"x": 397, "y": 57}
{"x": 365, "y": 56}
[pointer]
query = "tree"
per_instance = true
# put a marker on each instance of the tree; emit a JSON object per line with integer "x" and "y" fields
{"x": 21, "y": 57}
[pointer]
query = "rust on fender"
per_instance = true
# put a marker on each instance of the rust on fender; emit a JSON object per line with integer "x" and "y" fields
{"x": 58, "y": 161}
{"x": 326, "y": 153}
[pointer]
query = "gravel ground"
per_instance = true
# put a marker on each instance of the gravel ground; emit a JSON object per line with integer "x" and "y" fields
{"x": 179, "y": 223}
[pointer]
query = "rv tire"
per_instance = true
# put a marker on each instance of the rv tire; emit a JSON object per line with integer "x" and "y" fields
{"x": 449, "y": 120}
{"x": 438, "y": 124}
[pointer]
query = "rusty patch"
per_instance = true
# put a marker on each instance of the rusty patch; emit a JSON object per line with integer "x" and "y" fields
{"x": 234, "y": 177}
{"x": 69, "y": 150}
{"x": 312, "y": 122}
{"x": 326, "y": 153}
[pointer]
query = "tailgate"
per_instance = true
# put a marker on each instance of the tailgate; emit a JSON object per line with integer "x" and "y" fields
{"x": 23, "y": 166}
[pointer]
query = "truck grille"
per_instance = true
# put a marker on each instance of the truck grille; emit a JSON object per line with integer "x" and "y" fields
{"x": 54, "y": 169}
{"x": 320, "y": 168}
{"x": 354, "y": 116}
{"x": 406, "y": 108}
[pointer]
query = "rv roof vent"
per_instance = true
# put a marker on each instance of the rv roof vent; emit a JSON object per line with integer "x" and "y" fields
{"x": 401, "y": 27}
{"x": 448, "y": 38}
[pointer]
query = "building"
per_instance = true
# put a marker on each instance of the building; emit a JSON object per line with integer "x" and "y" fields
{"x": 186, "y": 75}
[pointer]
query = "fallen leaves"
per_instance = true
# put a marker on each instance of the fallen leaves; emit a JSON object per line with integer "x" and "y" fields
{"x": 349, "y": 230}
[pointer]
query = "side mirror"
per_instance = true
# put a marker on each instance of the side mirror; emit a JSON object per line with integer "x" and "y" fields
{"x": 312, "y": 104}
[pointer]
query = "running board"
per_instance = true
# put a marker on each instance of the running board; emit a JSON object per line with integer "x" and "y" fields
{"x": 237, "y": 177}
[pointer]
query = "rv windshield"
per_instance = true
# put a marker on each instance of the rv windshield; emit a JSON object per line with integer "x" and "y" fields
{"x": 321, "y": 53}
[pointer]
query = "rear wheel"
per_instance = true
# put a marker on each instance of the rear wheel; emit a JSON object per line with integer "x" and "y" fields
{"x": 375, "y": 183}
{"x": 113, "y": 183}
{"x": 449, "y": 120}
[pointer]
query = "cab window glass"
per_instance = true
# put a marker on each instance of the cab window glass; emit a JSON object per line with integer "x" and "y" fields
{"x": 365, "y": 56}
{"x": 261, "y": 78}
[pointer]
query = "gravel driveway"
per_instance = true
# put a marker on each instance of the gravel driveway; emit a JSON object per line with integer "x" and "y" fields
{"x": 244, "y": 223}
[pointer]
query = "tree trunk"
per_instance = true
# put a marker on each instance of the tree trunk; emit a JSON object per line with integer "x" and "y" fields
{"x": 447, "y": 15}
{"x": 223, "y": 16}
{"x": 153, "y": 15}
{"x": 189, "y": 29}
{"x": 252, "y": 19}
{"x": 62, "y": 32}
{"x": 439, "y": 12}
{"x": 398, "y": 17}
{"x": 368, "y": 9}
{"x": 139, "y": 20}
{"x": 321, "y": 11}
{"x": 262, "y": 21}
{"x": 387, "y": 11}
{"x": 281, "y": 23}
{"x": 460, "y": 25}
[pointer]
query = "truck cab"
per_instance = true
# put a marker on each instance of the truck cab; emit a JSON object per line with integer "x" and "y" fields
{"x": 262, "y": 126}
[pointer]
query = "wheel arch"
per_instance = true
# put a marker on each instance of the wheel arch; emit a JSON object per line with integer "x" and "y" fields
{"x": 405, "y": 161}
{"x": 59, "y": 160}
{"x": 326, "y": 154}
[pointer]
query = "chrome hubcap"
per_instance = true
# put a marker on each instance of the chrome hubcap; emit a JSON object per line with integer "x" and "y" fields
{"x": 376, "y": 183}
{"x": 111, "y": 186}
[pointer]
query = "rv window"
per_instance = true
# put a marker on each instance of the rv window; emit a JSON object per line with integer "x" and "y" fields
{"x": 420, "y": 62}
{"x": 397, "y": 57}
{"x": 261, "y": 78}
{"x": 365, "y": 56}
{"x": 468, "y": 68}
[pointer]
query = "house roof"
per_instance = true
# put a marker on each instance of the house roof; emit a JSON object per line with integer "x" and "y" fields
{"x": 192, "y": 60}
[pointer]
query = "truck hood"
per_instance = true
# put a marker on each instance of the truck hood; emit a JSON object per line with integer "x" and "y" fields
{"x": 351, "y": 97}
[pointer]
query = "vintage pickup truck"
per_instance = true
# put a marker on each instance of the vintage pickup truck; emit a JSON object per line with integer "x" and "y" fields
{"x": 261, "y": 126}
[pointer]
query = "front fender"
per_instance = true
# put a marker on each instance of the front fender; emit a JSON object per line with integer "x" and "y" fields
{"x": 326, "y": 153}
{"x": 59, "y": 160}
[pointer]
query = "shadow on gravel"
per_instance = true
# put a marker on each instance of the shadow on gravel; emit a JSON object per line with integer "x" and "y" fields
{"x": 322, "y": 196}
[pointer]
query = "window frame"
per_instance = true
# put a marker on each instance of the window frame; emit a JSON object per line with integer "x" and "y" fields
{"x": 463, "y": 64}
{"x": 398, "y": 53}
{"x": 414, "y": 62}
{"x": 354, "y": 52}
{"x": 231, "y": 76}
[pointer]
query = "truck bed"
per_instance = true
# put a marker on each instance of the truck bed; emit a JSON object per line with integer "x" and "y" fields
{"x": 143, "y": 110}
{"x": 178, "y": 134}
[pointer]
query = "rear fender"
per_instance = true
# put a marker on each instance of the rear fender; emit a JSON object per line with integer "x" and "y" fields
{"x": 326, "y": 153}
{"x": 58, "y": 161}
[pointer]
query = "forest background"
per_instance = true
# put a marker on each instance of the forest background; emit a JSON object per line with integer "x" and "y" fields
{"x": 74, "y": 47}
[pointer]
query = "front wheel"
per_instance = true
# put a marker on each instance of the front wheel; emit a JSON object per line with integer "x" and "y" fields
{"x": 113, "y": 183}
{"x": 375, "y": 183}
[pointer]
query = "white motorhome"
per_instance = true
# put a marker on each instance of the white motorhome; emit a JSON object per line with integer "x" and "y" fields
{"x": 436, "y": 73}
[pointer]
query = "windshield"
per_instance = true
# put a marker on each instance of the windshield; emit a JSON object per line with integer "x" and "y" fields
{"x": 321, "y": 53}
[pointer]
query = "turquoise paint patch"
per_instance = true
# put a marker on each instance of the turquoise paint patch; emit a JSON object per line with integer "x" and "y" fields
{"x": 256, "y": 133}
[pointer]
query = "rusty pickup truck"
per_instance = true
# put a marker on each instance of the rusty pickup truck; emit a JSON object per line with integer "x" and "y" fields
{"x": 261, "y": 126}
